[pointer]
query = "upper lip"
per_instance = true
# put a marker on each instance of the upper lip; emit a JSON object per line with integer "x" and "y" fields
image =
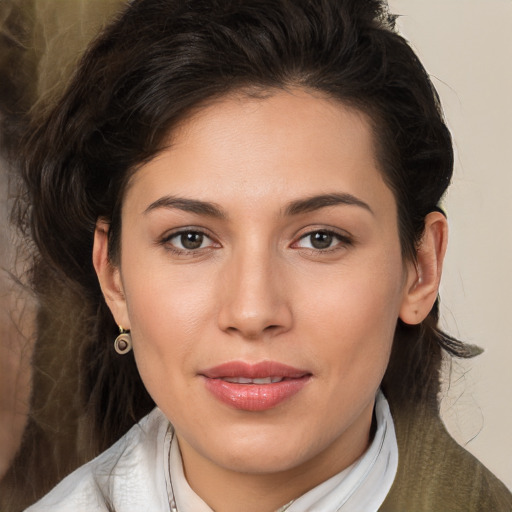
{"x": 254, "y": 370}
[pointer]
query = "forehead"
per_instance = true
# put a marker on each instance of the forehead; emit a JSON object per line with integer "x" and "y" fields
{"x": 285, "y": 144}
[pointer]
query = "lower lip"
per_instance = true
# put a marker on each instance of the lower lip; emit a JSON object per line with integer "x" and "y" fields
{"x": 255, "y": 397}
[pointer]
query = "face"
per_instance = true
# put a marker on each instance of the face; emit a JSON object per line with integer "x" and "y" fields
{"x": 261, "y": 277}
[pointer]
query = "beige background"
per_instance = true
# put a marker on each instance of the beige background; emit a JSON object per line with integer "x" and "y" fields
{"x": 466, "y": 45}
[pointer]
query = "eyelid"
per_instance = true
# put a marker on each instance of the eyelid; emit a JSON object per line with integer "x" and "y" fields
{"x": 345, "y": 238}
{"x": 169, "y": 235}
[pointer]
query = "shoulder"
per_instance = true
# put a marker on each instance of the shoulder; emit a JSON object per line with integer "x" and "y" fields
{"x": 127, "y": 477}
{"x": 435, "y": 473}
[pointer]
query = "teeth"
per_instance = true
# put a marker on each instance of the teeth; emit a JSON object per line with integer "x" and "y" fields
{"x": 265, "y": 380}
{"x": 244, "y": 380}
{"x": 238, "y": 380}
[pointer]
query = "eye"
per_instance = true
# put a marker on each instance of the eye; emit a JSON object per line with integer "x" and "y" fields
{"x": 322, "y": 240}
{"x": 184, "y": 241}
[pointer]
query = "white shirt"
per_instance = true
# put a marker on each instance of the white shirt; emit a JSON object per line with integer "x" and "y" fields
{"x": 134, "y": 475}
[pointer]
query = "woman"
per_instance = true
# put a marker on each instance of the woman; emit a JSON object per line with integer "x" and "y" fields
{"x": 249, "y": 193}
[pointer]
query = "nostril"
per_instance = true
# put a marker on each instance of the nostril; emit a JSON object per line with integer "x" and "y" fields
{"x": 254, "y": 332}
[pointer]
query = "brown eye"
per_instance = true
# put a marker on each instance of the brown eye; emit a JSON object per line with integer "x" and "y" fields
{"x": 188, "y": 241}
{"x": 321, "y": 240}
{"x": 191, "y": 240}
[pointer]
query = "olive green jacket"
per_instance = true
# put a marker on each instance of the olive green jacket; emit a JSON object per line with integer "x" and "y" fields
{"x": 435, "y": 474}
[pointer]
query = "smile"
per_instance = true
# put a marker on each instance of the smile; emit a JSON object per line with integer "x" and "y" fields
{"x": 254, "y": 387}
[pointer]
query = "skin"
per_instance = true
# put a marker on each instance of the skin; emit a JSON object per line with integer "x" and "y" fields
{"x": 259, "y": 288}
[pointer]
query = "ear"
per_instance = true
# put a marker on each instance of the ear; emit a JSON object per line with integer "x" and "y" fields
{"x": 109, "y": 276}
{"x": 424, "y": 275}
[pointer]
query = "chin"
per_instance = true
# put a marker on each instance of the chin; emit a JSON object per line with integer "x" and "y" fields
{"x": 263, "y": 450}
{"x": 262, "y": 462}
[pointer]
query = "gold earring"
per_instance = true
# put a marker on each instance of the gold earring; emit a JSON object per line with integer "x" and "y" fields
{"x": 123, "y": 343}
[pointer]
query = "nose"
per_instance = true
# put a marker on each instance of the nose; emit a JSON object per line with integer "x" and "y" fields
{"x": 253, "y": 300}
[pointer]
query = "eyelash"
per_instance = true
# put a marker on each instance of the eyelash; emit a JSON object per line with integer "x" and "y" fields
{"x": 167, "y": 242}
{"x": 343, "y": 241}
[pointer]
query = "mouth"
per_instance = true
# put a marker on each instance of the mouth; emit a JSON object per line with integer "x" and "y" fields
{"x": 254, "y": 387}
{"x": 245, "y": 380}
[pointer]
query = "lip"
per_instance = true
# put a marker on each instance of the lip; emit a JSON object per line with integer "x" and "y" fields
{"x": 254, "y": 397}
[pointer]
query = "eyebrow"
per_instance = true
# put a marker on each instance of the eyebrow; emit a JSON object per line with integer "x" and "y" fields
{"x": 296, "y": 207}
{"x": 313, "y": 203}
{"x": 187, "y": 205}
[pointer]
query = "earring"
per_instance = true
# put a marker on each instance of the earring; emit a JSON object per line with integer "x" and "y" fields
{"x": 123, "y": 343}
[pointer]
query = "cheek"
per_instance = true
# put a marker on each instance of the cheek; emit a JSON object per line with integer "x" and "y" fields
{"x": 353, "y": 314}
{"x": 169, "y": 313}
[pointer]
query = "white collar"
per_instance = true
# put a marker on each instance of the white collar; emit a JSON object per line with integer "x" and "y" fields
{"x": 362, "y": 487}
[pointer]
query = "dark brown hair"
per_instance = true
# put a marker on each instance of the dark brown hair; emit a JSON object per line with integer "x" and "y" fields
{"x": 155, "y": 64}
